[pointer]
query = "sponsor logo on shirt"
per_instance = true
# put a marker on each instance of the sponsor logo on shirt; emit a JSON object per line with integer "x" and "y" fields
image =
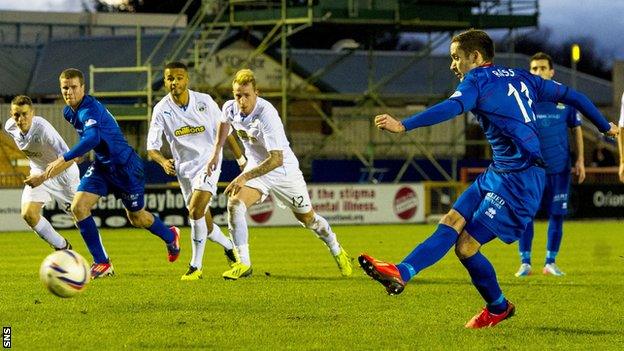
{"x": 32, "y": 153}
{"x": 90, "y": 122}
{"x": 244, "y": 136}
{"x": 189, "y": 130}
{"x": 490, "y": 212}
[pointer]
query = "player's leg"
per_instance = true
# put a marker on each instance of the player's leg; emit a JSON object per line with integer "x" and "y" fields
{"x": 81, "y": 210}
{"x": 141, "y": 218}
{"x": 33, "y": 200}
{"x": 430, "y": 251}
{"x": 31, "y": 213}
{"x": 524, "y": 246}
{"x": 323, "y": 231}
{"x": 237, "y": 223}
{"x": 483, "y": 276}
{"x": 560, "y": 183}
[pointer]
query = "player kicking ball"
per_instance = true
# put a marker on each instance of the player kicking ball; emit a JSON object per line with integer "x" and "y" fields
{"x": 271, "y": 167}
{"x": 189, "y": 121}
{"x": 504, "y": 199}
{"x": 117, "y": 169}
{"x": 42, "y": 144}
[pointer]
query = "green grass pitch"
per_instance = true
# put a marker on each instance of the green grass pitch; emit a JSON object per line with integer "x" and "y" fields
{"x": 296, "y": 298}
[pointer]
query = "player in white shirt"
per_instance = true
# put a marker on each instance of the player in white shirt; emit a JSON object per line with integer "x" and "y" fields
{"x": 271, "y": 167}
{"x": 42, "y": 144}
{"x": 189, "y": 121}
{"x": 621, "y": 141}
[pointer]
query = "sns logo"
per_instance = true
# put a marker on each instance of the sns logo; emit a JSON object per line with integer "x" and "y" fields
{"x": 490, "y": 212}
{"x": 6, "y": 337}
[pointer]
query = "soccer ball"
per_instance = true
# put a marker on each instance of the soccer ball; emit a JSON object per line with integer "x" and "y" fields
{"x": 65, "y": 273}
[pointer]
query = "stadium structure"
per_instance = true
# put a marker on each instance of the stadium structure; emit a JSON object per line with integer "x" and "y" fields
{"x": 325, "y": 97}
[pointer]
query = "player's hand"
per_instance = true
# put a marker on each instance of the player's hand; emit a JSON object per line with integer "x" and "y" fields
{"x": 35, "y": 180}
{"x": 614, "y": 131}
{"x": 389, "y": 123}
{"x": 169, "y": 167}
{"x": 236, "y": 185}
{"x": 212, "y": 165}
{"x": 579, "y": 170}
{"x": 54, "y": 167}
{"x": 621, "y": 172}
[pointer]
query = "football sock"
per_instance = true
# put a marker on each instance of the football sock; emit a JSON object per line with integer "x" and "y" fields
{"x": 159, "y": 229}
{"x": 484, "y": 279}
{"x": 555, "y": 233}
{"x": 44, "y": 229}
{"x": 198, "y": 241}
{"x": 91, "y": 237}
{"x": 237, "y": 224}
{"x": 321, "y": 227}
{"x": 525, "y": 243}
{"x": 218, "y": 237}
{"x": 428, "y": 252}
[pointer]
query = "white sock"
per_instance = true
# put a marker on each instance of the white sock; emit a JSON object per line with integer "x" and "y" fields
{"x": 218, "y": 237}
{"x": 199, "y": 232}
{"x": 321, "y": 227}
{"x": 237, "y": 223}
{"x": 46, "y": 232}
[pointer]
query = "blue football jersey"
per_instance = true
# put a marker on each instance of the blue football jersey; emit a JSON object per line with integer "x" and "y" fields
{"x": 113, "y": 147}
{"x": 502, "y": 99}
{"x": 553, "y": 121}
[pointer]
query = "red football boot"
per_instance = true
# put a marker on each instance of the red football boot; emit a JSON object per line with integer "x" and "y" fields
{"x": 487, "y": 319}
{"x": 173, "y": 248}
{"x": 385, "y": 273}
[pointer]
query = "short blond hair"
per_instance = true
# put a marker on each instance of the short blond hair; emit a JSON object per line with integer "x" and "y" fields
{"x": 70, "y": 73}
{"x": 245, "y": 76}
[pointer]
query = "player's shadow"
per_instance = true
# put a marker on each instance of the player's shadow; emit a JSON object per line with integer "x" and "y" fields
{"x": 574, "y": 331}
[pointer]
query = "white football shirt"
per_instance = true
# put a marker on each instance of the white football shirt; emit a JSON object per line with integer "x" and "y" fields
{"x": 260, "y": 132}
{"x": 42, "y": 144}
{"x": 191, "y": 132}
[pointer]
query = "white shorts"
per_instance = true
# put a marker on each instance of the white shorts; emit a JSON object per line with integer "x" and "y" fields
{"x": 201, "y": 181}
{"x": 291, "y": 190}
{"x": 61, "y": 188}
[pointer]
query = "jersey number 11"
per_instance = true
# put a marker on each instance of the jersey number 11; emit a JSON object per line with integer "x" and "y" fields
{"x": 523, "y": 89}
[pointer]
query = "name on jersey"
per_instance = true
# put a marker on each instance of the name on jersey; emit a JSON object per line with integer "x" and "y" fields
{"x": 503, "y": 72}
{"x": 186, "y": 130}
{"x": 32, "y": 154}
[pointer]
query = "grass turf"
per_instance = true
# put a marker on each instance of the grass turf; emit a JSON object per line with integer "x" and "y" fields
{"x": 296, "y": 298}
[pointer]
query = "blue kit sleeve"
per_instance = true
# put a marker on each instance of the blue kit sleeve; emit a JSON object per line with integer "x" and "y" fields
{"x": 549, "y": 90}
{"x": 89, "y": 140}
{"x": 463, "y": 99}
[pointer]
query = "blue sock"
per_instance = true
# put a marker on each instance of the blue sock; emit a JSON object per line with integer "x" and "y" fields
{"x": 428, "y": 252}
{"x": 555, "y": 233}
{"x": 159, "y": 229}
{"x": 525, "y": 243}
{"x": 91, "y": 237}
{"x": 484, "y": 279}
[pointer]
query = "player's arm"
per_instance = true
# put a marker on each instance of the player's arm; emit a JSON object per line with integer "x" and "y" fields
{"x": 580, "y": 159}
{"x": 154, "y": 143}
{"x": 464, "y": 99}
{"x": 168, "y": 164}
{"x": 223, "y": 131}
{"x": 555, "y": 92}
{"x": 90, "y": 139}
{"x": 275, "y": 159}
{"x": 237, "y": 151}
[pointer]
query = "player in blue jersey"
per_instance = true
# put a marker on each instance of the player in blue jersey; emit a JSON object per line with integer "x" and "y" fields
{"x": 117, "y": 169}
{"x": 503, "y": 200}
{"x": 553, "y": 121}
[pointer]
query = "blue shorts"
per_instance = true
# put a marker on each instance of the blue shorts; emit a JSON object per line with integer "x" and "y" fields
{"x": 502, "y": 204}
{"x": 555, "y": 199}
{"x": 126, "y": 181}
